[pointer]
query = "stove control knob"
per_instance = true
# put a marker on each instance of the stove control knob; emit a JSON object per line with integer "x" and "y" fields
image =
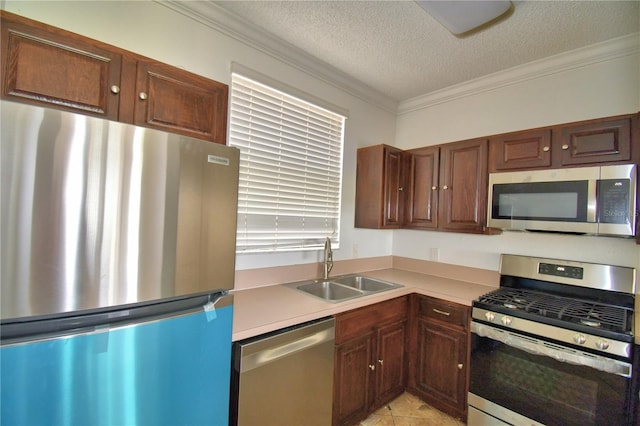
{"x": 602, "y": 344}
{"x": 489, "y": 316}
{"x": 506, "y": 320}
{"x": 579, "y": 339}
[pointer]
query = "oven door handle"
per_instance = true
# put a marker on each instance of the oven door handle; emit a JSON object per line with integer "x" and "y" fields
{"x": 557, "y": 352}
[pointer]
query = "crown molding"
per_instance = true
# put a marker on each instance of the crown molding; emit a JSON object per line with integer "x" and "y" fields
{"x": 217, "y": 18}
{"x": 578, "y": 58}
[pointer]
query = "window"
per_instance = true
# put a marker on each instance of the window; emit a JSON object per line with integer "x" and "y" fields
{"x": 290, "y": 169}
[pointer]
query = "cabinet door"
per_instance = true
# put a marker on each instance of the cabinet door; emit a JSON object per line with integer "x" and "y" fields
{"x": 520, "y": 151}
{"x": 58, "y": 69}
{"x": 352, "y": 390}
{"x": 440, "y": 367}
{"x": 463, "y": 185}
{"x": 379, "y": 191}
{"x": 393, "y": 200}
{"x": 598, "y": 142}
{"x": 422, "y": 193}
{"x": 178, "y": 101}
{"x": 390, "y": 363}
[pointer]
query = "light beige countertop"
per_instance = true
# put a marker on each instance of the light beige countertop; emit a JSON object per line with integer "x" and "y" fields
{"x": 264, "y": 309}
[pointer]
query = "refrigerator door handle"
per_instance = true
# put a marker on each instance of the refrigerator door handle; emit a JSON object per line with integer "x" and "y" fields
{"x": 92, "y": 321}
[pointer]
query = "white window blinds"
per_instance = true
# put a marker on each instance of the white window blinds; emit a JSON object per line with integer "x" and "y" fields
{"x": 290, "y": 169}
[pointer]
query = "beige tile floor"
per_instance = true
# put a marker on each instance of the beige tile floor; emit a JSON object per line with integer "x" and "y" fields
{"x": 409, "y": 410}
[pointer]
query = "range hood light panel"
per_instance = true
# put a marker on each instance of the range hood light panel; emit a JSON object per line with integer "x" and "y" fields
{"x": 460, "y": 17}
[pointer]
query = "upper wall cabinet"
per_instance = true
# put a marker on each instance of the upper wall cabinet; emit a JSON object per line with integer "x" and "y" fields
{"x": 599, "y": 141}
{"x": 521, "y": 150}
{"x": 439, "y": 187}
{"x": 423, "y": 170}
{"x": 178, "y": 101}
{"x": 46, "y": 66}
{"x": 463, "y": 186}
{"x": 51, "y": 67}
{"x": 379, "y": 188}
{"x": 593, "y": 142}
{"x": 447, "y": 187}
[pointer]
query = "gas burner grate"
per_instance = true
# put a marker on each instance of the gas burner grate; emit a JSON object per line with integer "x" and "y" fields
{"x": 606, "y": 317}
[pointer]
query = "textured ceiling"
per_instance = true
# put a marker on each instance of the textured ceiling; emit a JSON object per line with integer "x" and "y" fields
{"x": 398, "y": 49}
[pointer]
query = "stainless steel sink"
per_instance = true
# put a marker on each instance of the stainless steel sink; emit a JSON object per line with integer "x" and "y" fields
{"x": 366, "y": 284}
{"x": 329, "y": 291}
{"x": 341, "y": 288}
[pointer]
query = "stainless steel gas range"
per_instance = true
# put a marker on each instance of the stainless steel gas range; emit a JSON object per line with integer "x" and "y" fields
{"x": 553, "y": 345}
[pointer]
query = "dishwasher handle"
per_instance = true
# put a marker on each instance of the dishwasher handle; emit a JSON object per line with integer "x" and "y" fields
{"x": 270, "y": 349}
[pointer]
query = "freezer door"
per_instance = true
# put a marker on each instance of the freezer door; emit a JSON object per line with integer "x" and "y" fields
{"x": 96, "y": 214}
{"x": 174, "y": 371}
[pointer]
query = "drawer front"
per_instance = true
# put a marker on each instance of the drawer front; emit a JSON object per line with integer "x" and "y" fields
{"x": 440, "y": 310}
{"x": 364, "y": 320}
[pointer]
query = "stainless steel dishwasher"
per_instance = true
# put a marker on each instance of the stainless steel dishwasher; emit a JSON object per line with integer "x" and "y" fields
{"x": 286, "y": 377}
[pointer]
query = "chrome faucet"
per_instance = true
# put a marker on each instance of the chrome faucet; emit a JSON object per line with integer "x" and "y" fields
{"x": 328, "y": 258}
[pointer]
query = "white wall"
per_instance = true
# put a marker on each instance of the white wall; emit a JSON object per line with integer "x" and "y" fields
{"x": 155, "y": 31}
{"x": 603, "y": 88}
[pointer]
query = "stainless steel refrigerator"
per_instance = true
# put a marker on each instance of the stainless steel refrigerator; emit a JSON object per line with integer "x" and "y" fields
{"x": 117, "y": 255}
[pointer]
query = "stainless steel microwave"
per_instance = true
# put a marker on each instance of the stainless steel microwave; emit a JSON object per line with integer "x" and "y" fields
{"x": 586, "y": 200}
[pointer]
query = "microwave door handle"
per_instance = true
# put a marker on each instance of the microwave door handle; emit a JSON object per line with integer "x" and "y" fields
{"x": 592, "y": 203}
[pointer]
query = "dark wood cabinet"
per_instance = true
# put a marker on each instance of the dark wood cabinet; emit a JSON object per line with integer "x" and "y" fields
{"x": 445, "y": 187}
{"x": 463, "y": 186}
{"x": 47, "y": 66}
{"x": 178, "y": 101}
{"x": 423, "y": 166}
{"x": 353, "y": 394}
{"x": 521, "y": 150}
{"x": 586, "y": 143}
{"x": 594, "y": 142}
{"x": 370, "y": 359}
{"x": 379, "y": 188}
{"x": 439, "y": 337}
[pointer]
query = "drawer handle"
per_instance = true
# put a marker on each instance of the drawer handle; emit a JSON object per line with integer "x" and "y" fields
{"x": 438, "y": 311}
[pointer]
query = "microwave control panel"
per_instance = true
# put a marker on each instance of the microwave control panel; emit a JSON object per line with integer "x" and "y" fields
{"x": 613, "y": 200}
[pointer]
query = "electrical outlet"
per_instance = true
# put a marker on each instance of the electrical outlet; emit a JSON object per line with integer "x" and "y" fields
{"x": 354, "y": 251}
{"x": 434, "y": 254}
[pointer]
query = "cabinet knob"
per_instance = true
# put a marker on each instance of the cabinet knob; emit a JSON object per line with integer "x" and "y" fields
{"x": 142, "y": 96}
{"x": 565, "y": 147}
{"x": 400, "y": 189}
{"x": 460, "y": 366}
{"x": 380, "y": 361}
{"x": 546, "y": 149}
{"x": 445, "y": 187}
{"x": 115, "y": 89}
{"x": 372, "y": 367}
{"x": 434, "y": 187}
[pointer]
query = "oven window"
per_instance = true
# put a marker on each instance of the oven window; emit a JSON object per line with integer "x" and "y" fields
{"x": 566, "y": 201}
{"x": 544, "y": 389}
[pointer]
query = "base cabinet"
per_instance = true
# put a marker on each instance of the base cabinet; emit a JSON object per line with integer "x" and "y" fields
{"x": 370, "y": 359}
{"x": 438, "y": 371}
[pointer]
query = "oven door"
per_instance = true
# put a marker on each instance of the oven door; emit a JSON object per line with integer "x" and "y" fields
{"x": 517, "y": 379}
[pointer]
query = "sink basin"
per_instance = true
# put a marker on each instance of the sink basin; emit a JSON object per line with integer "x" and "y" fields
{"x": 329, "y": 291}
{"x": 362, "y": 283}
{"x": 346, "y": 287}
